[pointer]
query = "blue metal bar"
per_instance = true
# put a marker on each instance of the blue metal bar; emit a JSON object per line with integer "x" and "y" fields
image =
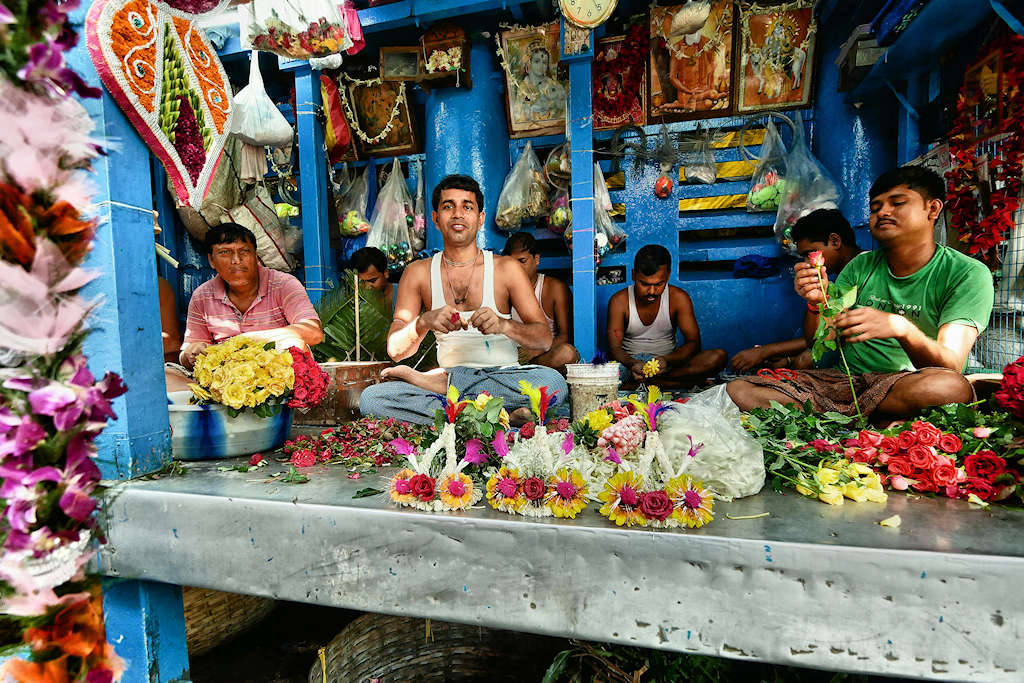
{"x": 320, "y": 266}
{"x": 909, "y": 146}
{"x": 145, "y": 621}
{"x": 1013, "y": 22}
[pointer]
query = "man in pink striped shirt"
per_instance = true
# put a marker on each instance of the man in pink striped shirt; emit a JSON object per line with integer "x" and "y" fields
{"x": 246, "y": 298}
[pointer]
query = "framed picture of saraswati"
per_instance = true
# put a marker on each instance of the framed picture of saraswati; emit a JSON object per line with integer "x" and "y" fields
{"x": 534, "y": 93}
{"x": 691, "y": 61}
{"x": 776, "y": 44}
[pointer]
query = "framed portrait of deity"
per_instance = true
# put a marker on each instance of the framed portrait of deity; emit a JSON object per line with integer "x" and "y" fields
{"x": 776, "y": 44}
{"x": 535, "y": 95}
{"x": 691, "y": 61}
{"x": 381, "y": 110}
{"x": 620, "y": 81}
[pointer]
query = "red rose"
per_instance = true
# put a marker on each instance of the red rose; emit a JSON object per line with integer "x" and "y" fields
{"x": 924, "y": 482}
{"x": 950, "y": 443}
{"x": 927, "y": 433}
{"x": 256, "y": 459}
{"x": 905, "y": 440}
{"x": 920, "y": 456}
{"x": 869, "y": 439}
{"x": 888, "y": 445}
{"x": 979, "y": 487}
{"x": 945, "y": 473}
{"x": 526, "y": 431}
{"x": 900, "y": 464}
{"x": 422, "y": 487}
{"x": 303, "y": 458}
{"x": 534, "y": 488}
{"x": 984, "y": 464}
{"x": 656, "y": 505}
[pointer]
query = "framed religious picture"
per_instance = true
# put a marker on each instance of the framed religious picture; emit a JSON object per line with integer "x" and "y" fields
{"x": 776, "y": 44}
{"x": 534, "y": 93}
{"x": 400, "y": 63}
{"x": 691, "y": 60}
{"x": 620, "y": 80}
{"x": 381, "y": 114}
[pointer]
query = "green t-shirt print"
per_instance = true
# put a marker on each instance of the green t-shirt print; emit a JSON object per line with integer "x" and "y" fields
{"x": 951, "y": 288}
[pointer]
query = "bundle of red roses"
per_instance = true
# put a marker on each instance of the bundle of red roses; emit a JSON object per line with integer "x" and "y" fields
{"x": 1011, "y": 390}
{"x": 310, "y": 381}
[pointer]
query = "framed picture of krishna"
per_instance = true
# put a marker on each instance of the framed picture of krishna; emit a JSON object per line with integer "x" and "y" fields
{"x": 776, "y": 44}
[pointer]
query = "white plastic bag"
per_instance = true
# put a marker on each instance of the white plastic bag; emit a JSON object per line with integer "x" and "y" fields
{"x": 523, "y": 194}
{"x": 730, "y": 461}
{"x": 351, "y": 206}
{"x": 809, "y": 187}
{"x": 700, "y": 164}
{"x": 392, "y": 220}
{"x": 418, "y": 233}
{"x": 768, "y": 181}
{"x": 607, "y": 235}
{"x": 257, "y": 120}
{"x": 259, "y": 215}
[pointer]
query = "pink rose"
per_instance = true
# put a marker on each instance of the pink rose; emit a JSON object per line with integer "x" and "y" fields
{"x": 981, "y": 432}
{"x": 899, "y": 482}
{"x": 945, "y": 473}
{"x": 508, "y": 487}
{"x": 565, "y": 490}
{"x": 403, "y": 487}
{"x": 869, "y": 439}
{"x": 816, "y": 259}
{"x": 900, "y": 465}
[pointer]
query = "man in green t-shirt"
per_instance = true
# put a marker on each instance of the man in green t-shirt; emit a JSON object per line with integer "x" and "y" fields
{"x": 920, "y": 306}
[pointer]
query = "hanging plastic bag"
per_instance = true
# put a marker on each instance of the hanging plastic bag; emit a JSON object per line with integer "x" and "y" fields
{"x": 701, "y": 168}
{"x": 257, "y": 120}
{"x": 350, "y": 205}
{"x": 560, "y": 218}
{"x": 728, "y": 459}
{"x": 768, "y": 181}
{"x": 259, "y": 215}
{"x": 298, "y": 29}
{"x": 418, "y": 234}
{"x": 607, "y": 235}
{"x": 808, "y": 187}
{"x": 392, "y": 220}
{"x": 523, "y": 195}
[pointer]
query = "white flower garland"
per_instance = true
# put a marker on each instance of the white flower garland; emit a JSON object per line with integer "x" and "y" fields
{"x": 354, "y": 122}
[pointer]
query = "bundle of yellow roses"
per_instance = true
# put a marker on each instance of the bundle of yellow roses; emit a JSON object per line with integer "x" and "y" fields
{"x": 244, "y": 373}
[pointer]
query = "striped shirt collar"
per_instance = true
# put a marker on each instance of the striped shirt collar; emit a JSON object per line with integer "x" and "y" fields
{"x": 264, "y": 277}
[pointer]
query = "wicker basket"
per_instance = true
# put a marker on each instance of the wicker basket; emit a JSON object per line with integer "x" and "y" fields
{"x": 341, "y": 404}
{"x": 214, "y": 617}
{"x": 399, "y": 650}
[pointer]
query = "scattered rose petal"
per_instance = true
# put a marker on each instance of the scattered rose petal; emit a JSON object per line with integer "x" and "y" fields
{"x": 893, "y": 521}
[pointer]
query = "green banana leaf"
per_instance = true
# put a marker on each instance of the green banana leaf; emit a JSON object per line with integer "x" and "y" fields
{"x": 337, "y": 315}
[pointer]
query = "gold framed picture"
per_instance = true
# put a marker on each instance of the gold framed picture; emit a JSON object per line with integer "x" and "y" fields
{"x": 375, "y": 106}
{"x": 619, "y": 84}
{"x": 534, "y": 94}
{"x": 776, "y": 56}
{"x": 400, "y": 63}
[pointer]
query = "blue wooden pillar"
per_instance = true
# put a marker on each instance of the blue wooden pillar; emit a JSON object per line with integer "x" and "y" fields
{"x": 143, "y": 619}
{"x": 580, "y": 131}
{"x": 466, "y": 133}
{"x": 910, "y": 138}
{"x": 320, "y": 265}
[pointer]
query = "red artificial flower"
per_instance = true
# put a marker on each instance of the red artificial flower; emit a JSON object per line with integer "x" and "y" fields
{"x": 656, "y": 505}
{"x": 950, "y": 443}
{"x": 527, "y": 431}
{"x": 534, "y": 488}
{"x": 303, "y": 458}
{"x": 985, "y": 465}
{"x": 255, "y": 459}
{"x": 422, "y": 487}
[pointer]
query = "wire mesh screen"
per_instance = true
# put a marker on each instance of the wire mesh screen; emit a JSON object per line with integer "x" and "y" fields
{"x": 1003, "y": 341}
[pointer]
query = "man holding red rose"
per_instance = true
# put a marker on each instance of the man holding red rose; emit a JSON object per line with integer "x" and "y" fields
{"x": 920, "y": 306}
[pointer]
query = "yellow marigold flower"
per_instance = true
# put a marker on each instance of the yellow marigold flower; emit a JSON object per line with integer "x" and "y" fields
{"x": 694, "y": 504}
{"x": 567, "y": 493}
{"x": 234, "y": 396}
{"x": 833, "y": 495}
{"x": 621, "y": 498}
{"x": 199, "y": 392}
{"x": 456, "y": 491}
{"x": 599, "y": 420}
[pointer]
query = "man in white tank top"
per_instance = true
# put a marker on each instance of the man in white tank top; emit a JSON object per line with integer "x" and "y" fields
{"x": 465, "y": 296}
{"x": 642, "y": 323}
{"x": 555, "y": 301}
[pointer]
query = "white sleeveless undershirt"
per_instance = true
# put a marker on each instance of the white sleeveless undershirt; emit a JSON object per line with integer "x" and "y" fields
{"x": 470, "y": 347}
{"x": 537, "y": 291}
{"x": 656, "y": 339}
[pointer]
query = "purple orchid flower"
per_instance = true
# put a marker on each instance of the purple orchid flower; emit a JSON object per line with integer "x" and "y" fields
{"x": 401, "y": 446}
{"x": 77, "y": 501}
{"x": 475, "y": 454}
{"x": 46, "y": 69}
{"x": 500, "y": 443}
{"x": 613, "y": 456}
{"x": 694, "y": 450}
{"x": 79, "y": 458}
{"x": 6, "y": 17}
{"x": 20, "y": 437}
{"x": 568, "y": 443}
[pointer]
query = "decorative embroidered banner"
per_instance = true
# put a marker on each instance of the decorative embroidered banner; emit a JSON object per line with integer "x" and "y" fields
{"x": 160, "y": 68}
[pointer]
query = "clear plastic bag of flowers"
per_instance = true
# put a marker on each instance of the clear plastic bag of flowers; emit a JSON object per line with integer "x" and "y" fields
{"x": 350, "y": 204}
{"x": 418, "y": 236}
{"x": 699, "y": 165}
{"x": 298, "y": 29}
{"x": 768, "y": 181}
{"x": 392, "y": 221}
{"x": 607, "y": 235}
{"x": 523, "y": 194}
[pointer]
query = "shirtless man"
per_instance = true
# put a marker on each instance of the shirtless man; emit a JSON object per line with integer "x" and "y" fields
{"x": 371, "y": 266}
{"x": 555, "y": 300}
{"x": 642, "y": 322}
{"x": 465, "y": 296}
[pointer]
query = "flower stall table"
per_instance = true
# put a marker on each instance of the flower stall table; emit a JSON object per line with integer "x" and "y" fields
{"x": 797, "y": 586}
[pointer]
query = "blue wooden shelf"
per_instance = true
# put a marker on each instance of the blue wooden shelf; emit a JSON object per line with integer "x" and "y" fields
{"x": 940, "y": 26}
{"x": 727, "y": 250}
{"x": 410, "y": 12}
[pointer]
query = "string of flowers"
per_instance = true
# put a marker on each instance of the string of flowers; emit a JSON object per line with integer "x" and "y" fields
{"x": 982, "y": 231}
{"x": 52, "y": 408}
{"x": 354, "y": 122}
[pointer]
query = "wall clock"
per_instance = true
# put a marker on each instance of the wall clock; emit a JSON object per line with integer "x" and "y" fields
{"x": 587, "y": 13}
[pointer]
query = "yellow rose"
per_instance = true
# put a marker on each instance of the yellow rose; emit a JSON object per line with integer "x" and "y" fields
{"x": 204, "y": 376}
{"x": 503, "y": 418}
{"x": 826, "y": 476}
{"x": 833, "y": 495}
{"x": 199, "y": 392}
{"x": 803, "y": 490}
{"x": 261, "y": 395}
{"x": 861, "y": 468}
{"x": 250, "y": 399}
{"x": 481, "y": 401}
{"x": 261, "y": 378}
{"x": 873, "y": 483}
{"x": 289, "y": 378}
{"x": 875, "y": 495}
{"x": 276, "y": 387}
{"x": 265, "y": 358}
{"x": 855, "y": 492}
{"x": 234, "y": 396}
{"x": 598, "y": 420}
{"x": 244, "y": 373}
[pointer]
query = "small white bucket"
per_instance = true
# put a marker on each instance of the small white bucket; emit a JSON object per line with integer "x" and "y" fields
{"x": 591, "y": 386}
